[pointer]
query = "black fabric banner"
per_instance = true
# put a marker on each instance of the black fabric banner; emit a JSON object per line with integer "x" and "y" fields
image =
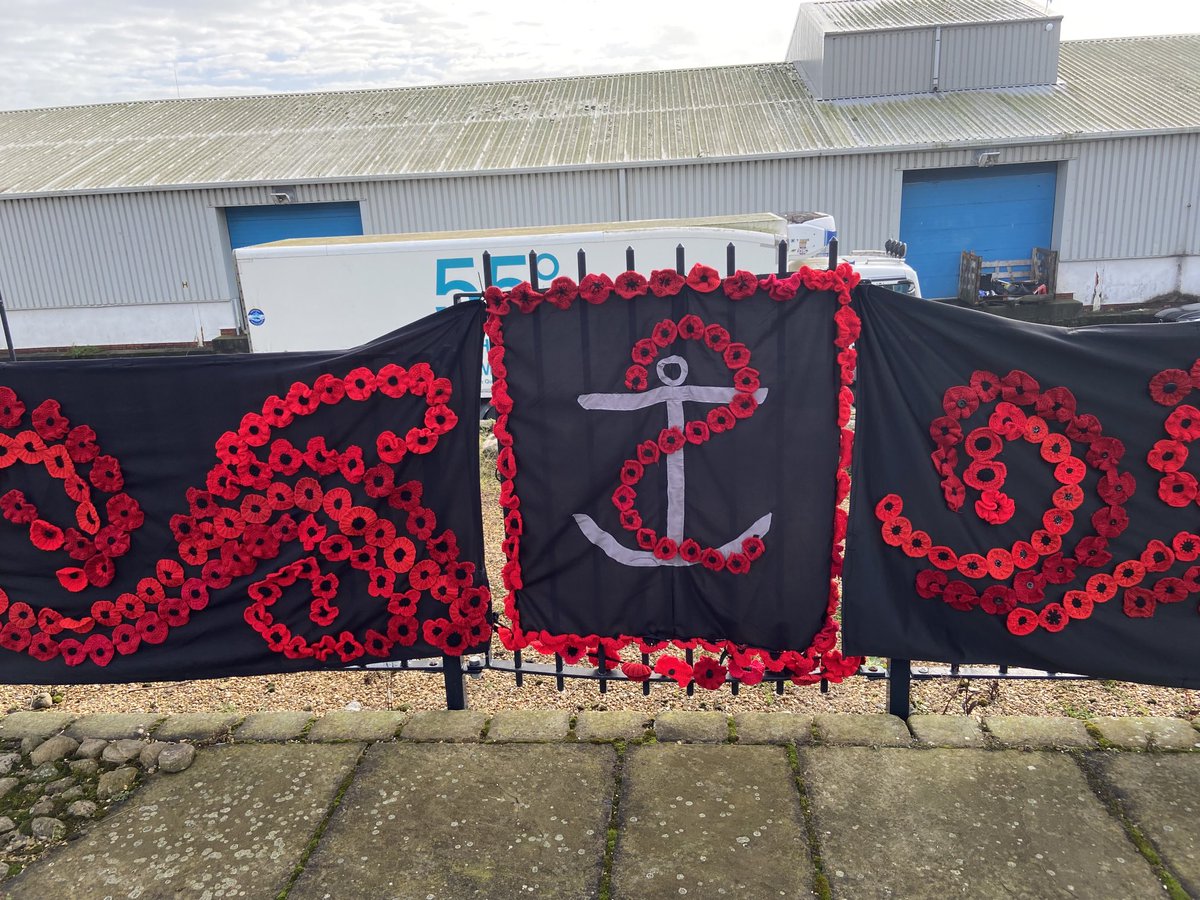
{"x": 671, "y": 457}
{"x": 173, "y": 518}
{"x": 1023, "y": 494}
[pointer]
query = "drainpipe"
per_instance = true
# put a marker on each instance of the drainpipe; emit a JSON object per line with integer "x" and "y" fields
{"x": 937, "y": 56}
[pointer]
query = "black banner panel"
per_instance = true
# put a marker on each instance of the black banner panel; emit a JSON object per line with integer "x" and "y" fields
{"x": 176, "y": 518}
{"x": 670, "y": 448}
{"x": 1025, "y": 494}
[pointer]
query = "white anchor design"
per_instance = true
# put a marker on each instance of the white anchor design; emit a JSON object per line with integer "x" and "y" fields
{"x": 674, "y": 394}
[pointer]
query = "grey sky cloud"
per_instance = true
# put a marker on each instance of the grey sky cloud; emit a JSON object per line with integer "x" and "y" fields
{"x": 62, "y": 52}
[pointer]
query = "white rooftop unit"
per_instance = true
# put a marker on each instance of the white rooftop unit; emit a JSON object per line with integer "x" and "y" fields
{"x": 849, "y": 49}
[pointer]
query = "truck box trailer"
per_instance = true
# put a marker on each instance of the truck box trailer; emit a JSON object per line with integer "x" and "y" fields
{"x": 335, "y": 293}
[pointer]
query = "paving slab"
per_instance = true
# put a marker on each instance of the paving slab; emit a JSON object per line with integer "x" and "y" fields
{"x": 708, "y": 821}
{"x": 946, "y": 731}
{"x": 529, "y": 725}
{"x": 1161, "y": 794}
{"x": 345, "y": 725}
{"x": 694, "y": 727}
{"x": 36, "y": 725}
{"x": 453, "y": 725}
{"x": 1040, "y": 732}
{"x": 235, "y": 824}
{"x": 1145, "y": 732}
{"x": 201, "y": 726}
{"x": 114, "y": 726}
{"x": 467, "y": 820}
{"x": 871, "y": 729}
{"x": 773, "y": 728}
{"x": 967, "y": 823}
{"x": 273, "y": 726}
{"x": 611, "y": 725}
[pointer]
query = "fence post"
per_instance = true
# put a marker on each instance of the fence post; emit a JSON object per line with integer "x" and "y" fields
{"x": 8, "y": 341}
{"x": 899, "y": 681}
{"x": 456, "y": 685}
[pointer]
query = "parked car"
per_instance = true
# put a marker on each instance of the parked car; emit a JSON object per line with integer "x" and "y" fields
{"x": 1189, "y": 312}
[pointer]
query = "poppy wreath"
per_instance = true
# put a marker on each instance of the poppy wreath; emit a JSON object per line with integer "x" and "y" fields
{"x": 1022, "y": 576}
{"x": 709, "y": 664}
{"x": 262, "y": 493}
{"x": 91, "y": 480}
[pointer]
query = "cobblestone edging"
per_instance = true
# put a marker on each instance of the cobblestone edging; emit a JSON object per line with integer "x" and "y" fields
{"x": 25, "y": 731}
{"x": 58, "y": 773}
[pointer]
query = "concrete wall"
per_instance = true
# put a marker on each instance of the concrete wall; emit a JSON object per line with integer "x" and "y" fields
{"x": 1097, "y": 282}
{"x": 108, "y": 326}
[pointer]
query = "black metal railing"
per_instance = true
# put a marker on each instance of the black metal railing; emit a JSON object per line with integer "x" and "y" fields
{"x": 898, "y": 673}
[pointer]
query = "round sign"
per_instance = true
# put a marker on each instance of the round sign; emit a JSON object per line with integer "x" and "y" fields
{"x": 256, "y": 316}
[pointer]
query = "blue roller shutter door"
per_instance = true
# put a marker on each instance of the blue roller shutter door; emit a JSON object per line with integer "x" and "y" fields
{"x": 1000, "y": 214}
{"x": 250, "y": 225}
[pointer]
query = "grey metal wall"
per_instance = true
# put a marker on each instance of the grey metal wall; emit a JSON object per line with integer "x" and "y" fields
{"x": 883, "y": 63}
{"x": 998, "y": 55}
{"x": 1133, "y": 197}
{"x": 109, "y": 249}
{"x": 807, "y": 47}
{"x": 1120, "y": 198}
{"x": 124, "y": 249}
{"x": 876, "y": 64}
{"x": 171, "y": 246}
{"x": 498, "y": 201}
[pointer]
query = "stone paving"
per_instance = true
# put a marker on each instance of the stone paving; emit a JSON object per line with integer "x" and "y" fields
{"x": 441, "y": 806}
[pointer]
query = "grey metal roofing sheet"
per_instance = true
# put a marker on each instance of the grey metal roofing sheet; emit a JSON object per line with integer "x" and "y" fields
{"x": 1126, "y": 86}
{"x": 873, "y": 15}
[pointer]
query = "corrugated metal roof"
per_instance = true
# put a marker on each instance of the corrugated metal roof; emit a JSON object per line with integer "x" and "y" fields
{"x": 874, "y": 15}
{"x": 1131, "y": 85}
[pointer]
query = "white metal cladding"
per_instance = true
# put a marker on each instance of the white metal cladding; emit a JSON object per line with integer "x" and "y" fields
{"x": 877, "y": 64}
{"x": 1129, "y": 86}
{"x": 872, "y": 15}
{"x": 1000, "y": 55}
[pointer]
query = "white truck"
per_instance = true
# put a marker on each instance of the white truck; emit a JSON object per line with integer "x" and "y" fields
{"x": 335, "y": 293}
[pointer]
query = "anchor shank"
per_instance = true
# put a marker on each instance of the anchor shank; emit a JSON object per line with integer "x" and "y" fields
{"x": 675, "y": 477}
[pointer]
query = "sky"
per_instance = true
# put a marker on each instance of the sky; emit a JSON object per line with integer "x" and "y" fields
{"x": 67, "y": 52}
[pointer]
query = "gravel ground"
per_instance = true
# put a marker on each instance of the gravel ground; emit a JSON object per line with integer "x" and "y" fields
{"x": 326, "y": 691}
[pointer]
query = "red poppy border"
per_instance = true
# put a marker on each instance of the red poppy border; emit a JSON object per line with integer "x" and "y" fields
{"x": 725, "y": 660}
{"x": 239, "y": 521}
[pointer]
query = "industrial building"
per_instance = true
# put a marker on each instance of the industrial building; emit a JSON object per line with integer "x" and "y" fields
{"x": 955, "y": 125}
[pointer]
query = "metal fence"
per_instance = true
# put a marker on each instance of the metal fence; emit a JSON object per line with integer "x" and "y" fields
{"x": 898, "y": 673}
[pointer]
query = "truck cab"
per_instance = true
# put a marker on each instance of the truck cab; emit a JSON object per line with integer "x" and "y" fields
{"x": 885, "y": 270}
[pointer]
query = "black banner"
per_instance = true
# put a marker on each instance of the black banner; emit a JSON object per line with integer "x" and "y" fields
{"x": 172, "y": 518}
{"x": 671, "y": 451}
{"x": 1024, "y": 494}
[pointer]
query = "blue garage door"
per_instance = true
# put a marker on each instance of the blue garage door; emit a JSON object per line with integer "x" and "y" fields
{"x": 262, "y": 224}
{"x": 1000, "y": 213}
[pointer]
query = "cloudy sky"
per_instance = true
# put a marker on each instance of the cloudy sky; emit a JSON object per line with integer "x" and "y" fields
{"x": 63, "y": 52}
